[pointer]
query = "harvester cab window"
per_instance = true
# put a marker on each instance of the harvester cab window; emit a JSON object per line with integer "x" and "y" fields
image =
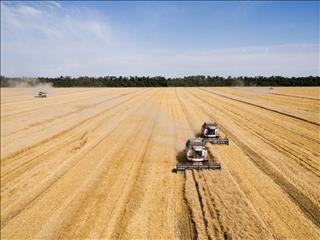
{"x": 197, "y": 154}
{"x": 211, "y": 131}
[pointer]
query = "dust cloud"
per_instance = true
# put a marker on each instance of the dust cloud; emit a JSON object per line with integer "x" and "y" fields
{"x": 31, "y": 85}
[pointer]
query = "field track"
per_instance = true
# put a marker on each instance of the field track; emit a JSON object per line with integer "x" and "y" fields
{"x": 96, "y": 164}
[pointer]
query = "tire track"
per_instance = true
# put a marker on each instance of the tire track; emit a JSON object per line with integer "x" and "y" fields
{"x": 81, "y": 197}
{"x": 196, "y": 182}
{"x": 16, "y": 208}
{"x": 60, "y": 135}
{"x": 201, "y": 223}
{"x": 269, "y": 136}
{"x": 51, "y": 104}
{"x": 243, "y": 122}
{"x": 110, "y": 177}
{"x": 278, "y": 218}
{"x": 132, "y": 198}
{"x": 187, "y": 226}
{"x": 61, "y": 142}
{"x": 15, "y": 102}
{"x": 296, "y": 96}
{"x": 64, "y": 132}
{"x": 213, "y": 213}
{"x": 281, "y": 147}
{"x": 309, "y": 208}
{"x": 101, "y": 219}
{"x": 265, "y": 108}
{"x": 217, "y": 224}
{"x": 23, "y": 203}
{"x": 203, "y": 204}
{"x": 68, "y": 114}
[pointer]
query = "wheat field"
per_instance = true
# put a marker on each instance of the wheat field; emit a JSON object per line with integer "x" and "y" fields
{"x": 95, "y": 163}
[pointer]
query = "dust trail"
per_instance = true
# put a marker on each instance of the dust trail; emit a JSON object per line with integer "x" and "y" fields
{"x": 31, "y": 85}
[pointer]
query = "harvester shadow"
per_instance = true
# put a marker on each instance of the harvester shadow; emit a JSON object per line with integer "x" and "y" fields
{"x": 198, "y": 135}
{"x": 181, "y": 156}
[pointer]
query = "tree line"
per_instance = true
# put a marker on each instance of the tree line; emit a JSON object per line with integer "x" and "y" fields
{"x": 159, "y": 81}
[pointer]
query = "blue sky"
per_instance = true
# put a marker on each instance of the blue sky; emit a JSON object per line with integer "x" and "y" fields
{"x": 159, "y": 38}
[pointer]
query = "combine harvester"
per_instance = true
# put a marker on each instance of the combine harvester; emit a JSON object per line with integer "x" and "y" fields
{"x": 41, "y": 95}
{"x": 210, "y": 132}
{"x": 197, "y": 157}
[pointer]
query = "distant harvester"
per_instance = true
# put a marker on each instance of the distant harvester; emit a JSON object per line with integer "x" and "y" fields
{"x": 41, "y": 94}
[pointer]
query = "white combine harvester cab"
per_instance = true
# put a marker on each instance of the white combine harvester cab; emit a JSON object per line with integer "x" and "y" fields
{"x": 211, "y": 133}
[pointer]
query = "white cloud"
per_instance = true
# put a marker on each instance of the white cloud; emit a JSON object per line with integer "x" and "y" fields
{"x": 28, "y": 11}
{"x": 45, "y": 39}
{"x": 53, "y": 4}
